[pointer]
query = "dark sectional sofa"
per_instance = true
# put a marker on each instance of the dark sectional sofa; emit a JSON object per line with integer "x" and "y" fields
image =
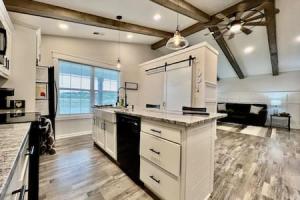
{"x": 240, "y": 113}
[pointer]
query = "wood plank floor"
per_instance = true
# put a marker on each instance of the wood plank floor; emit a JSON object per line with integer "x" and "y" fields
{"x": 247, "y": 167}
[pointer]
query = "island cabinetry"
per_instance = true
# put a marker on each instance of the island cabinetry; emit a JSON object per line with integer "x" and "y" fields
{"x": 104, "y": 131}
{"x": 177, "y": 161}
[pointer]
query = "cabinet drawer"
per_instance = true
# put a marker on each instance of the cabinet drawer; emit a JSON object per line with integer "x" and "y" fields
{"x": 164, "y": 153}
{"x": 168, "y": 133}
{"x": 159, "y": 182}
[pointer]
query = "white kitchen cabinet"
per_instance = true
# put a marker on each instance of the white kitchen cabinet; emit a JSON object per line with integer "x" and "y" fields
{"x": 179, "y": 167}
{"x": 105, "y": 131}
{"x": 181, "y": 83}
{"x": 110, "y": 139}
{"x": 100, "y": 133}
{"x": 5, "y": 68}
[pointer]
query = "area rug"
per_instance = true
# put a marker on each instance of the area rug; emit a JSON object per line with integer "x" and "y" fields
{"x": 248, "y": 130}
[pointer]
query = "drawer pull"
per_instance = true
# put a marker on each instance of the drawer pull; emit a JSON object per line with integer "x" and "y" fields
{"x": 30, "y": 152}
{"x": 156, "y": 180}
{"x": 157, "y": 152}
{"x": 156, "y": 131}
{"x": 22, "y": 192}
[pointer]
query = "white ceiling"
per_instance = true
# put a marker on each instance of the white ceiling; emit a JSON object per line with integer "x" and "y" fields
{"x": 212, "y": 6}
{"x": 142, "y": 11}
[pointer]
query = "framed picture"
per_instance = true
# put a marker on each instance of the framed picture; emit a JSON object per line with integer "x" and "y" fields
{"x": 131, "y": 86}
{"x": 41, "y": 91}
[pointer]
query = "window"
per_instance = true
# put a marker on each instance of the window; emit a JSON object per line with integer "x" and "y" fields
{"x": 81, "y": 86}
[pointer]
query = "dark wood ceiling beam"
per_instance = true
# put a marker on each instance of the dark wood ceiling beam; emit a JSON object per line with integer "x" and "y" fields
{"x": 50, "y": 11}
{"x": 229, "y": 12}
{"x": 270, "y": 12}
{"x": 184, "y": 8}
{"x": 227, "y": 52}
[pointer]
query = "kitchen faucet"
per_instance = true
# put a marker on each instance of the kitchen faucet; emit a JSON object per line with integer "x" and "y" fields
{"x": 118, "y": 98}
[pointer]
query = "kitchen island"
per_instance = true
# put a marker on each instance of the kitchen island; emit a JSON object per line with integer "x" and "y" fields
{"x": 176, "y": 151}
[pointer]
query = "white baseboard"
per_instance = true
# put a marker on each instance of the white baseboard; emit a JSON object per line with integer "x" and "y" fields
{"x": 63, "y": 136}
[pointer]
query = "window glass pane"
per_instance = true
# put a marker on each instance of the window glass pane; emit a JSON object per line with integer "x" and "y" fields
{"x": 109, "y": 98}
{"x": 64, "y": 101}
{"x": 106, "y": 84}
{"x": 85, "y": 101}
{"x": 86, "y": 74}
{"x": 75, "y": 102}
{"x": 75, "y": 91}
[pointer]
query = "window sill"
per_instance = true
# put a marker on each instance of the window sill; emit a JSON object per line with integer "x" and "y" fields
{"x": 73, "y": 117}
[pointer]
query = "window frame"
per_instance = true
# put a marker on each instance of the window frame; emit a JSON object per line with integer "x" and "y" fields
{"x": 94, "y": 65}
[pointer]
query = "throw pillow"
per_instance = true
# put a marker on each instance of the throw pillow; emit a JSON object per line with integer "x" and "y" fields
{"x": 222, "y": 107}
{"x": 255, "y": 109}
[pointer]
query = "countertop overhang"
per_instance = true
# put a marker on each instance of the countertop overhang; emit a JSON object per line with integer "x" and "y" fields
{"x": 177, "y": 118}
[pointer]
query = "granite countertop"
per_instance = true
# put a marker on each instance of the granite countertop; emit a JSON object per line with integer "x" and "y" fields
{"x": 12, "y": 137}
{"x": 169, "y": 117}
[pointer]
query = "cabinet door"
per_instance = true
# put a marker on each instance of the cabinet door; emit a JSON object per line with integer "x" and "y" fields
{"x": 100, "y": 133}
{"x": 153, "y": 89}
{"x": 94, "y": 130}
{"x": 110, "y": 139}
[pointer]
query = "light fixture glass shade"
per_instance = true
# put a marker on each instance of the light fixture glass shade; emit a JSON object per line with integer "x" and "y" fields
{"x": 177, "y": 42}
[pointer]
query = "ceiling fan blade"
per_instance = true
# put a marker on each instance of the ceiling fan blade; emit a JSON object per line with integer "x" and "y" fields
{"x": 223, "y": 17}
{"x": 254, "y": 11}
{"x": 231, "y": 36}
{"x": 245, "y": 30}
{"x": 255, "y": 18}
{"x": 238, "y": 16}
{"x": 215, "y": 25}
{"x": 255, "y": 24}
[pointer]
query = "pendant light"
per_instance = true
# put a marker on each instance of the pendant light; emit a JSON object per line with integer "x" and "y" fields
{"x": 177, "y": 42}
{"x": 119, "y": 17}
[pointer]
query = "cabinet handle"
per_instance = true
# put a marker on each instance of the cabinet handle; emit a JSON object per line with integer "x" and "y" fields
{"x": 30, "y": 151}
{"x": 157, "y": 152}
{"x": 22, "y": 192}
{"x": 156, "y": 131}
{"x": 104, "y": 127}
{"x": 156, "y": 180}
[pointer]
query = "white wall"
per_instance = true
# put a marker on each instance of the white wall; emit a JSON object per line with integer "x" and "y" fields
{"x": 97, "y": 51}
{"x": 263, "y": 89}
{"x": 22, "y": 77}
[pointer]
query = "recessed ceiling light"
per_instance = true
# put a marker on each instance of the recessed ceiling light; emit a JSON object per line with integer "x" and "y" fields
{"x": 157, "y": 17}
{"x": 248, "y": 50}
{"x": 129, "y": 36}
{"x": 297, "y": 39}
{"x": 63, "y": 26}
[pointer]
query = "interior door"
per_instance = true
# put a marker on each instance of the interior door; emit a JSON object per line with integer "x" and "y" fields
{"x": 178, "y": 86}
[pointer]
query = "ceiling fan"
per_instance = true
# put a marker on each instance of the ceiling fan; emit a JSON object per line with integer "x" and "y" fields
{"x": 241, "y": 22}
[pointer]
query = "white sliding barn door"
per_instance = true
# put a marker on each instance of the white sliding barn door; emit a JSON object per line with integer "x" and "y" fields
{"x": 178, "y": 86}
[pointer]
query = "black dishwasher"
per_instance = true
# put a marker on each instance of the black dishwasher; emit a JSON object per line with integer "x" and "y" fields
{"x": 128, "y": 145}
